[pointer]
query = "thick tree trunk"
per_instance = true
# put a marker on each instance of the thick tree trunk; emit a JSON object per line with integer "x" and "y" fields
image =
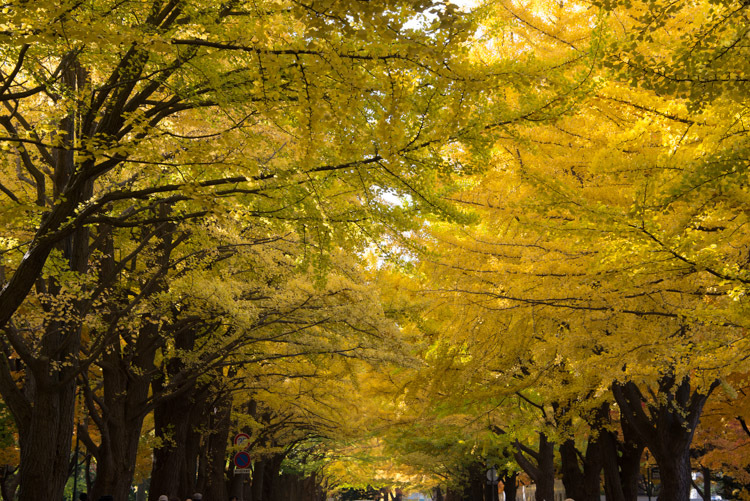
{"x": 44, "y": 411}
{"x": 46, "y": 426}
{"x": 116, "y": 456}
{"x": 621, "y": 461}
{"x": 675, "y": 476}
{"x": 666, "y": 427}
{"x": 295, "y": 488}
{"x": 629, "y": 459}
{"x": 45, "y": 435}
{"x": 271, "y": 474}
{"x": 171, "y": 426}
{"x": 259, "y": 476}
{"x": 510, "y": 486}
{"x": 174, "y": 410}
{"x": 437, "y": 494}
{"x": 126, "y": 382}
{"x": 9, "y": 482}
{"x": 189, "y": 473}
{"x": 239, "y": 485}
{"x": 475, "y": 489}
{"x": 541, "y": 466}
{"x": 581, "y": 481}
{"x": 45, "y": 441}
{"x": 213, "y": 461}
{"x": 127, "y": 370}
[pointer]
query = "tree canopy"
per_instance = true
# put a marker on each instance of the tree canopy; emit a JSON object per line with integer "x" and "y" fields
{"x": 392, "y": 241}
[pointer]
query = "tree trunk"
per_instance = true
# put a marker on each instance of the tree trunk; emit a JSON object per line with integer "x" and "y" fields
{"x": 196, "y": 418}
{"x": 171, "y": 427}
{"x": 116, "y": 456}
{"x": 141, "y": 493}
{"x": 45, "y": 441}
{"x": 631, "y": 450}
{"x": 45, "y": 435}
{"x": 174, "y": 409}
{"x": 239, "y": 485}
{"x": 437, "y": 494}
{"x": 271, "y": 474}
{"x": 259, "y": 476}
{"x": 126, "y": 380}
{"x": 477, "y": 480}
{"x": 675, "y": 477}
{"x": 706, "y": 483}
{"x": 292, "y": 487}
{"x": 510, "y": 486}
{"x": 666, "y": 426}
{"x": 44, "y": 409}
{"x": 621, "y": 462}
{"x": 581, "y": 481}
{"x": 9, "y": 482}
{"x": 213, "y": 460}
{"x": 541, "y": 466}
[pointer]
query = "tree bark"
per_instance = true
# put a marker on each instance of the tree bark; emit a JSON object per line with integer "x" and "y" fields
{"x": 46, "y": 421}
{"x": 45, "y": 440}
{"x": 126, "y": 382}
{"x": 172, "y": 423}
{"x": 9, "y": 482}
{"x": 171, "y": 427}
{"x": 621, "y": 462}
{"x": 510, "y": 485}
{"x": 477, "y": 480}
{"x": 239, "y": 485}
{"x": 582, "y": 481}
{"x": 271, "y": 475}
{"x": 437, "y": 494}
{"x": 212, "y": 480}
{"x": 127, "y": 370}
{"x": 259, "y": 476}
{"x": 541, "y": 466}
{"x": 666, "y": 427}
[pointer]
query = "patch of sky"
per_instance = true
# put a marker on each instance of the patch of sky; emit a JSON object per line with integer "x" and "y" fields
{"x": 392, "y": 197}
{"x": 423, "y": 20}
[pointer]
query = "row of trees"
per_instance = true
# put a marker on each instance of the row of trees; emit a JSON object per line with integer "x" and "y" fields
{"x": 507, "y": 235}
{"x": 597, "y": 305}
{"x": 189, "y": 188}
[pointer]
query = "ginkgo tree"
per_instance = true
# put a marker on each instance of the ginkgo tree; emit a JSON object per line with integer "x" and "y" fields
{"x": 154, "y": 152}
{"x": 117, "y": 113}
{"x": 611, "y": 237}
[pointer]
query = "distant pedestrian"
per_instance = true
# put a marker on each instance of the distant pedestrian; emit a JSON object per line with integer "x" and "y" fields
{"x": 233, "y": 498}
{"x": 197, "y": 496}
{"x": 163, "y": 497}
